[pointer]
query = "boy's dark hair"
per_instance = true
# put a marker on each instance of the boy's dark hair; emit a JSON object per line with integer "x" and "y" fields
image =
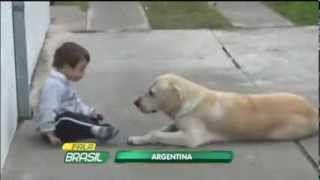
{"x": 71, "y": 54}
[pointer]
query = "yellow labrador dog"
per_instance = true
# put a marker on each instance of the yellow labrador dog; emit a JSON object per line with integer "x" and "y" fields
{"x": 201, "y": 115}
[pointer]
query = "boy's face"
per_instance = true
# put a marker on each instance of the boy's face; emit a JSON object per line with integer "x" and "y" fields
{"x": 76, "y": 73}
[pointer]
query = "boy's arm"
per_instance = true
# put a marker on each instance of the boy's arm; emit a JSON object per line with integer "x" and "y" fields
{"x": 50, "y": 101}
{"x": 90, "y": 111}
{"x": 85, "y": 109}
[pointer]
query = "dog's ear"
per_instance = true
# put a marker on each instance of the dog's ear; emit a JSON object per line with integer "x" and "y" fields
{"x": 177, "y": 91}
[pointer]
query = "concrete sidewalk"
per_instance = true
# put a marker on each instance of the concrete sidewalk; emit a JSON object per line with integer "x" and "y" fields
{"x": 106, "y": 16}
{"x": 248, "y": 14}
{"x": 124, "y": 64}
{"x": 68, "y": 18}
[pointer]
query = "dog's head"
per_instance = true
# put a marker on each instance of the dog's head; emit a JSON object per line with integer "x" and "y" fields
{"x": 164, "y": 95}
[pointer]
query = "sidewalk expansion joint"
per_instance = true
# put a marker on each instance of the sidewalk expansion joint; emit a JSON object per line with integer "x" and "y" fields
{"x": 86, "y": 31}
{"x": 110, "y": 31}
{"x": 305, "y": 153}
{"x": 264, "y": 27}
{"x": 235, "y": 63}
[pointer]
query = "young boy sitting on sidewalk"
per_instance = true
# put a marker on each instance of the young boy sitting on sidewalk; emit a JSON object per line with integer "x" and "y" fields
{"x": 61, "y": 115}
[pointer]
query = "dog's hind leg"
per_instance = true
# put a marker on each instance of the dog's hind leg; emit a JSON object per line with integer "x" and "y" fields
{"x": 299, "y": 127}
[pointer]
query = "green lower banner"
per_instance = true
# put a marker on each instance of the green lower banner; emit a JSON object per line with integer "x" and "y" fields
{"x": 174, "y": 156}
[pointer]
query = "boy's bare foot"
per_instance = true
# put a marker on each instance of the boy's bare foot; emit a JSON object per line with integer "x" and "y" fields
{"x": 54, "y": 140}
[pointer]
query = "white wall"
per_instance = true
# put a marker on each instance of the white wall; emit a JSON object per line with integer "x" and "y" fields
{"x": 37, "y": 18}
{"x": 8, "y": 83}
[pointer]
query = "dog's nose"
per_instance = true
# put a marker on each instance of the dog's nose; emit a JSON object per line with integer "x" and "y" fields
{"x": 137, "y": 102}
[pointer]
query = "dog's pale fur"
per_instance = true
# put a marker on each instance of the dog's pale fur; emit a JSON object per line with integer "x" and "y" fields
{"x": 201, "y": 115}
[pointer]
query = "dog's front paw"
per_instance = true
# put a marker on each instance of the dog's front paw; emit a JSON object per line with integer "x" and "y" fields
{"x": 135, "y": 140}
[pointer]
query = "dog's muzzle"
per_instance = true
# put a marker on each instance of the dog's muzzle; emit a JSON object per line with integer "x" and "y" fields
{"x": 137, "y": 103}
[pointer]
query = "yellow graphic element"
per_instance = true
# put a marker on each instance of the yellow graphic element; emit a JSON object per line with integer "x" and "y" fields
{"x": 79, "y": 147}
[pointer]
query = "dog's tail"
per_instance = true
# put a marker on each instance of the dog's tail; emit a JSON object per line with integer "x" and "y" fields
{"x": 313, "y": 126}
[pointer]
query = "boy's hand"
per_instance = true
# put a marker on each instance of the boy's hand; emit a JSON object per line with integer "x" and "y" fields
{"x": 54, "y": 140}
{"x": 97, "y": 116}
